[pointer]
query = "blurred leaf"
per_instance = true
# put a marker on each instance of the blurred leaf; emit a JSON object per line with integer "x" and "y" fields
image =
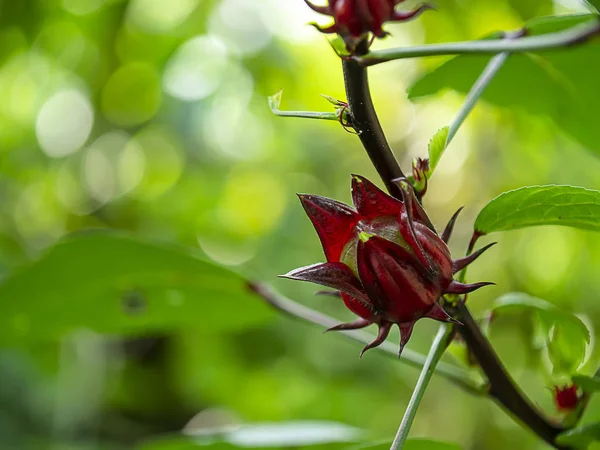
{"x": 437, "y": 145}
{"x": 580, "y": 437}
{"x": 263, "y": 435}
{"x": 415, "y": 444}
{"x": 115, "y": 283}
{"x": 566, "y": 336}
{"x": 587, "y": 384}
{"x": 561, "y": 84}
{"x": 594, "y": 4}
{"x": 520, "y": 302}
{"x": 566, "y": 349}
{"x": 541, "y": 205}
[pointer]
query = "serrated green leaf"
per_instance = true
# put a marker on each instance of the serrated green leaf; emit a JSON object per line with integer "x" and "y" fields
{"x": 414, "y": 444}
{"x": 560, "y": 85}
{"x": 564, "y": 334}
{"x": 587, "y": 384}
{"x": 541, "y": 205}
{"x": 437, "y": 145}
{"x": 115, "y": 283}
{"x": 580, "y": 437}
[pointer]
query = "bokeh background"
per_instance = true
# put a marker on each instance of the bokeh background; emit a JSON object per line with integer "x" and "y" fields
{"x": 151, "y": 116}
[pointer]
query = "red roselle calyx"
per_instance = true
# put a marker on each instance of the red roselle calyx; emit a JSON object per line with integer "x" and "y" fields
{"x": 385, "y": 259}
{"x": 566, "y": 398}
{"x": 353, "y": 20}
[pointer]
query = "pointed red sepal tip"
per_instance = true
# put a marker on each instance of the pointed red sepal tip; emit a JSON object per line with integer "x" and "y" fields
{"x": 356, "y": 325}
{"x": 334, "y": 222}
{"x": 372, "y": 202}
{"x": 335, "y": 275}
{"x": 320, "y": 9}
{"x": 438, "y": 313}
{"x": 461, "y": 263}
{"x": 450, "y": 226}
{"x": 399, "y": 16}
{"x": 406, "y": 330}
{"x": 384, "y": 331}
{"x": 459, "y": 288}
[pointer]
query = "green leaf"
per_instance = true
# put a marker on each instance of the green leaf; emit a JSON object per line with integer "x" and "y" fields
{"x": 437, "y": 145}
{"x": 595, "y": 4}
{"x": 580, "y": 437}
{"x": 263, "y": 436}
{"x": 566, "y": 336}
{"x": 541, "y": 205}
{"x": 560, "y": 85}
{"x": 566, "y": 349}
{"x": 587, "y": 384}
{"x": 414, "y": 444}
{"x": 115, "y": 283}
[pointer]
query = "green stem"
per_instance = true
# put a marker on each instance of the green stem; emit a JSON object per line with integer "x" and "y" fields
{"x": 488, "y": 74}
{"x": 309, "y": 115}
{"x": 549, "y": 41}
{"x": 438, "y": 347}
{"x": 455, "y": 374}
{"x": 475, "y": 93}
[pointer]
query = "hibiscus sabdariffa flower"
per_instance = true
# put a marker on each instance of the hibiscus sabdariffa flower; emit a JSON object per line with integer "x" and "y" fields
{"x": 384, "y": 258}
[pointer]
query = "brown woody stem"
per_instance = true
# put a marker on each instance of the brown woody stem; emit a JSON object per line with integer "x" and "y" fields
{"x": 364, "y": 120}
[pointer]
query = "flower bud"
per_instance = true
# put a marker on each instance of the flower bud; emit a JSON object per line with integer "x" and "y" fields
{"x": 353, "y": 20}
{"x": 385, "y": 259}
{"x": 566, "y": 398}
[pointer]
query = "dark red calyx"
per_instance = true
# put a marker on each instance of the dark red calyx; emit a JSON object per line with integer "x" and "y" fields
{"x": 384, "y": 257}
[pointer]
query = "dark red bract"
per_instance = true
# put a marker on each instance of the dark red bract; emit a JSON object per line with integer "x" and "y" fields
{"x": 354, "y": 19}
{"x": 384, "y": 257}
{"x": 566, "y": 397}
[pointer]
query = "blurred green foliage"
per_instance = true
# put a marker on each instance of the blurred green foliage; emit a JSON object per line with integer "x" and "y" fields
{"x": 150, "y": 117}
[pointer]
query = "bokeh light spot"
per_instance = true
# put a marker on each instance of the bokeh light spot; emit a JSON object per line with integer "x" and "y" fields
{"x": 164, "y": 160}
{"x": 64, "y": 123}
{"x": 241, "y": 26}
{"x": 160, "y": 16}
{"x": 132, "y": 95}
{"x": 82, "y": 7}
{"x": 252, "y": 203}
{"x": 196, "y": 70}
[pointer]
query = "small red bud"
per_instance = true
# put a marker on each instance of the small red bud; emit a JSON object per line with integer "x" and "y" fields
{"x": 566, "y": 398}
{"x": 385, "y": 258}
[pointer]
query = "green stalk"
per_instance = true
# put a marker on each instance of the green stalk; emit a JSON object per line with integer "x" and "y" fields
{"x": 455, "y": 374}
{"x": 438, "y": 347}
{"x": 545, "y": 42}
